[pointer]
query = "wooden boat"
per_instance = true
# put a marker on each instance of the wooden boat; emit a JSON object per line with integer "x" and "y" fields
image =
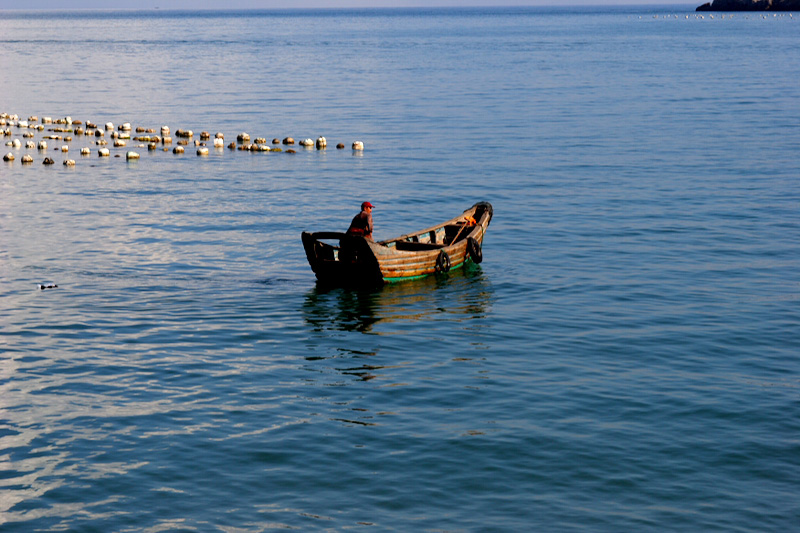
{"x": 355, "y": 260}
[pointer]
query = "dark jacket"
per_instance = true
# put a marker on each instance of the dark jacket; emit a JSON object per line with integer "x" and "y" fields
{"x": 361, "y": 225}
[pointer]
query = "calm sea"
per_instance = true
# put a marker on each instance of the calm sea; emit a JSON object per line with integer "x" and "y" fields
{"x": 624, "y": 359}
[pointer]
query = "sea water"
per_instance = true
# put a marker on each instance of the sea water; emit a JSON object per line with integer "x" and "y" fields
{"x": 624, "y": 359}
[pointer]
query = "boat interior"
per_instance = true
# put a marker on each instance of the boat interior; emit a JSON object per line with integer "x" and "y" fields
{"x": 433, "y": 239}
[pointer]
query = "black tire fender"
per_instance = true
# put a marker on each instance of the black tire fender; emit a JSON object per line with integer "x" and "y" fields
{"x": 443, "y": 262}
{"x": 474, "y": 250}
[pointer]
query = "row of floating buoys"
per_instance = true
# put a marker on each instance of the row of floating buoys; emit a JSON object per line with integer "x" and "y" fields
{"x": 64, "y": 128}
{"x": 723, "y": 16}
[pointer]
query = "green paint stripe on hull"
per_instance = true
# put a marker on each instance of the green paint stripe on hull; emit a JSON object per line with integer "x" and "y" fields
{"x": 410, "y": 278}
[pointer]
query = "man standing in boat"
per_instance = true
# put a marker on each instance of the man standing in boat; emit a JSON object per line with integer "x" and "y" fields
{"x": 362, "y": 222}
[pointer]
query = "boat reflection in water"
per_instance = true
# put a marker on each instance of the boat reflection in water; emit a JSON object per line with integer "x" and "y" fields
{"x": 394, "y": 335}
{"x": 465, "y": 294}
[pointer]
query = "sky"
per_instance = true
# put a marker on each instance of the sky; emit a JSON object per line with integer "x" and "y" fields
{"x": 276, "y": 4}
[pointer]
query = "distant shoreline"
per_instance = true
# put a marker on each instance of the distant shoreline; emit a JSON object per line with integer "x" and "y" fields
{"x": 751, "y": 5}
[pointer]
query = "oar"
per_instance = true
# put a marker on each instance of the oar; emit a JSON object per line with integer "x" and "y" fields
{"x": 459, "y": 231}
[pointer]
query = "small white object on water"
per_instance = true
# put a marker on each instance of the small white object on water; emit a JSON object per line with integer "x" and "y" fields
{"x": 30, "y": 145}
{"x": 131, "y": 155}
{"x": 118, "y": 143}
{"x": 65, "y": 148}
{"x": 125, "y": 127}
{"x": 42, "y": 145}
{"x": 8, "y": 157}
{"x": 69, "y": 163}
{"x": 202, "y": 151}
{"x": 219, "y": 142}
{"x": 306, "y": 142}
{"x": 85, "y": 151}
{"x": 358, "y": 145}
{"x": 109, "y": 126}
{"x": 22, "y": 124}
{"x": 178, "y": 150}
{"x": 27, "y": 158}
{"x": 219, "y": 135}
{"x": 103, "y": 152}
{"x": 47, "y": 120}
{"x": 322, "y": 142}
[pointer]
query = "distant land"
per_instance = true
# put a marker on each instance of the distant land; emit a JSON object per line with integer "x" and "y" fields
{"x": 751, "y": 5}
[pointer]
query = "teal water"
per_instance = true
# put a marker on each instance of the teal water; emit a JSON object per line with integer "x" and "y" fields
{"x": 624, "y": 359}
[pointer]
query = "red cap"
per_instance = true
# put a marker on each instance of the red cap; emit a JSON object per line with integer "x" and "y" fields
{"x": 366, "y": 204}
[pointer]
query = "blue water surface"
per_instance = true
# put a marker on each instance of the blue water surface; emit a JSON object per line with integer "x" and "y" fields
{"x": 624, "y": 359}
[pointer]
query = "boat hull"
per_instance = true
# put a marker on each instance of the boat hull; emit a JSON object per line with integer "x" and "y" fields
{"x": 340, "y": 259}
